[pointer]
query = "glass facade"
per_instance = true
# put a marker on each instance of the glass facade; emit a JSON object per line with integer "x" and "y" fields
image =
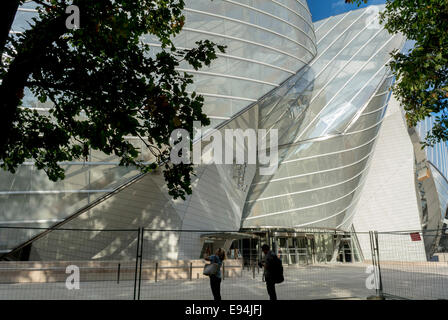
{"x": 435, "y": 210}
{"x": 267, "y": 42}
{"x": 309, "y": 246}
{"x": 323, "y": 86}
{"x": 437, "y": 156}
{"x": 28, "y": 198}
{"x": 328, "y": 117}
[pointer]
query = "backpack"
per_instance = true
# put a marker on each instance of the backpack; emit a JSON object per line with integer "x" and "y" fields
{"x": 278, "y": 270}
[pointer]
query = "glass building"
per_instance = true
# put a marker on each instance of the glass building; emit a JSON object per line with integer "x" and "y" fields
{"x": 328, "y": 120}
{"x": 325, "y": 87}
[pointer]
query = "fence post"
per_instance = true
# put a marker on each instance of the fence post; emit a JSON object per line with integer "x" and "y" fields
{"x": 157, "y": 268}
{"x": 136, "y": 264}
{"x": 376, "y": 265}
{"x": 141, "y": 260}
{"x": 118, "y": 276}
{"x": 379, "y": 265}
{"x": 250, "y": 251}
{"x": 191, "y": 271}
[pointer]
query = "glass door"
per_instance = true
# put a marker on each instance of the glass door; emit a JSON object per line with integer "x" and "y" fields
{"x": 301, "y": 250}
{"x": 292, "y": 255}
{"x": 283, "y": 249}
{"x": 311, "y": 249}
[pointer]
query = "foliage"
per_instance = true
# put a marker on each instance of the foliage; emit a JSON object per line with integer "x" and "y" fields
{"x": 422, "y": 73}
{"x": 104, "y": 83}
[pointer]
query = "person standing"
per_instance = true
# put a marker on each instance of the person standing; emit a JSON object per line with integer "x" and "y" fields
{"x": 272, "y": 265}
{"x": 215, "y": 279}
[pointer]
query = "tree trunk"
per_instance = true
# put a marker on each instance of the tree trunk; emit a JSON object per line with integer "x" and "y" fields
{"x": 8, "y": 13}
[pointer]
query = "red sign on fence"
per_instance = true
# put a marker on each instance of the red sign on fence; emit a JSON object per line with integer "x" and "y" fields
{"x": 415, "y": 236}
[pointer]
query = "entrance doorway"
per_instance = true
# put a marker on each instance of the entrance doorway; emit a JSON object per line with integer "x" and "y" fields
{"x": 296, "y": 249}
{"x": 345, "y": 250}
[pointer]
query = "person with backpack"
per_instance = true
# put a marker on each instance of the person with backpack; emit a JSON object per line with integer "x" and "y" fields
{"x": 215, "y": 276}
{"x": 273, "y": 271}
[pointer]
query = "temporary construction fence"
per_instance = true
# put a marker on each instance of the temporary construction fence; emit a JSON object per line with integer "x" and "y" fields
{"x": 167, "y": 264}
{"x": 410, "y": 265}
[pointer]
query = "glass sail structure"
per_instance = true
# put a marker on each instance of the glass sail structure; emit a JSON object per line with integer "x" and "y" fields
{"x": 437, "y": 158}
{"x": 325, "y": 87}
{"x": 327, "y": 123}
{"x": 267, "y": 42}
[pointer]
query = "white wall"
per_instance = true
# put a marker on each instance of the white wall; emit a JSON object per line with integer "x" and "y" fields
{"x": 389, "y": 200}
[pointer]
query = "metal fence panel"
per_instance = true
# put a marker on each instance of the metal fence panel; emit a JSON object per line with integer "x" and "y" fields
{"x": 71, "y": 264}
{"x": 168, "y": 264}
{"x": 406, "y": 272}
{"x": 172, "y": 270}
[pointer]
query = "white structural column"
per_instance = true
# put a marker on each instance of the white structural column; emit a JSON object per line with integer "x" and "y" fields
{"x": 389, "y": 200}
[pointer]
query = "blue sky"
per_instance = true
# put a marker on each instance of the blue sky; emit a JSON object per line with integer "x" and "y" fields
{"x": 322, "y": 9}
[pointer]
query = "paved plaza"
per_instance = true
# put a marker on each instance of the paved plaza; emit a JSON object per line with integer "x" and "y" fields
{"x": 329, "y": 281}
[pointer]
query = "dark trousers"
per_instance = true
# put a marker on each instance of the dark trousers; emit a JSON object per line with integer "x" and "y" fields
{"x": 270, "y": 285}
{"x": 215, "y": 284}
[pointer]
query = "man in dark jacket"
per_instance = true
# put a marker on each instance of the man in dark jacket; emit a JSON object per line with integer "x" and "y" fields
{"x": 269, "y": 264}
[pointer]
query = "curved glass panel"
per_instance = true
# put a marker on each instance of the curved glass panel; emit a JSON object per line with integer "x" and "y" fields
{"x": 267, "y": 42}
{"x": 328, "y": 120}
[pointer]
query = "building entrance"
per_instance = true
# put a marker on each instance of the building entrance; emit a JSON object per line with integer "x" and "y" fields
{"x": 295, "y": 249}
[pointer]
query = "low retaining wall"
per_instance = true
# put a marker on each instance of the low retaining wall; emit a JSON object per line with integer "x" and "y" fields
{"x": 430, "y": 267}
{"x": 442, "y": 257}
{"x": 42, "y": 272}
